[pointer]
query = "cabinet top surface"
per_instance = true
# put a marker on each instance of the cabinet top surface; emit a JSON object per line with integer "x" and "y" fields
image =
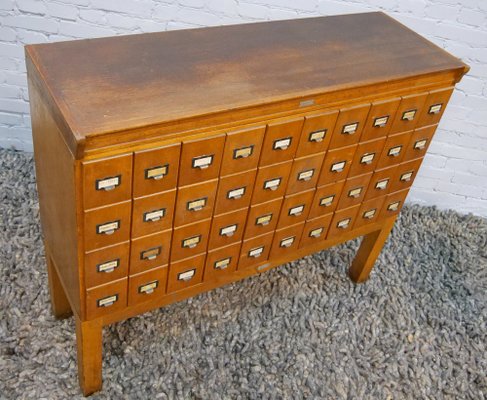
{"x": 111, "y": 84}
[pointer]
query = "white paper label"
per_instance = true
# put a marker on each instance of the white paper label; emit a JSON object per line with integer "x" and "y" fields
{"x": 202, "y": 162}
{"x": 406, "y": 177}
{"x": 228, "y": 230}
{"x": 149, "y": 287}
{"x": 435, "y": 109}
{"x": 287, "y": 241}
{"x": 272, "y": 183}
{"x": 394, "y": 151}
{"x": 367, "y": 158}
{"x": 355, "y": 192}
{"x": 154, "y": 215}
{"x": 393, "y": 206}
{"x": 222, "y": 264}
{"x": 381, "y": 185}
{"x": 382, "y": 121}
{"x": 109, "y": 265}
{"x": 339, "y": 166}
{"x": 156, "y": 172}
{"x": 256, "y": 252}
{"x": 236, "y": 193}
{"x": 264, "y": 220}
{"x": 420, "y": 144}
{"x": 192, "y": 241}
{"x": 109, "y": 227}
{"x": 282, "y": 143}
{"x": 107, "y": 301}
{"x": 185, "y": 276}
{"x": 369, "y": 214}
{"x": 196, "y": 204}
{"x": 409, "y": 115}
{"x": 296, "y": 210}
{"x": 306, "y": 175}
{"x": 108, "y": 183}
{"x": 344, "y": 223}
{"x": 317, "y": 136}
{"x": 316, "y": 232}
{"x": 244, "y": 152}
{"x": 326, "y": 201}
{"x": 350, "y": 128}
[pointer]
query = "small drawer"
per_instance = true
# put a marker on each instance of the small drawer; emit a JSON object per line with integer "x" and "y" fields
{"x": 156, "y": 170}
{"x": 281, "y": 141}
{"x": 190, "y": 240}
{"x": 107, "y": 225}
{"x": 150, "y": 251}
{"x": 419, "y": 142}
{"x": 271, "y": 182}
{"x": 380, "y": 119}
{"x": 255, "y": 250}
{"x": 153, "y": 213}
{"x": 106, "y": 299}
{"x": 394, "y": 150}
{"x": 369, "y": 212}
{"x": 185, "y": 273}
{"x": 147, "y": 286}
{"x": 354, "y": 190}
{"x": 107, "y": 181}
{"x": 222, "y": 262}
{"x": 201, "y": 159}
{"x": 263, "y": 218}
{"x": 336, "y": 165}
{"x": 366, "y": 157}
{"x": 286, "y": 241}
{"x": 227, "y": 228}
{"x": 242, "y": 150}
{"x": 316, "y": 133}
{"x": 342, "y": 222}
{"x": 393, "y": 203}
{"x": 380, "y": 183}
{"x": 434, "y": 106}
{"x": 234, "y": 192}
{"x": 349, "y": 126}
{"x": 295, "y": 208}
{"x": 315, "y": 230}
{"x": 304, "y": 173}
{"x": 405, "y": 174}
{"x": 325, "y": 200}
{"x": 408, "y": 112}
{"x": 195, "y": 202}
{"x": 105, "y": 265}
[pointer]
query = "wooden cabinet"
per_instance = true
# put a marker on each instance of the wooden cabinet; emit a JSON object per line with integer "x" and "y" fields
{"x": 162, "y": 179}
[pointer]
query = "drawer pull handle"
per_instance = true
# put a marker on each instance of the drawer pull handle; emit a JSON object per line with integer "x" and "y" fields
{"x": 408, "y": 115}
{"x": 316, "y": 232}
{"x": 350, "y": 129}
{"x": 153, "y": 216}
{"x": 107, "y": 301}
{"x": 150, "y": 254}
{"x": 435, "y": 108}
{"x": 272, "y": 184}
{"x": 192, "y": 242}
{"x": 344, "y": 223}
{"x": 393, "y": 206}
{"x": 381, "y": 121}
{"x": 157, "y": 173}
{"x": 263, "y": 220}
{"x": 108, "y": 184}
{"x": 203, "y": 162}
{"x": 367, "y": 158}
{"x": 338, "y": 167}
{"x": 197, "y": 205}
{"x": 306, "y": 175}
{"x": 228, "y": 231}
{"x": 236, "y": 193}
{"x": 296, "y": 211}
{"x": 287, "y": 242}
{"x": 420, "y": 144}
{"x": 187, "y": 275}
{"x": 256, "y": 252}
{"x": 369, "y": 214}
{"x": 355, "y": 193}
{"x": 406, "y": 177}
{"x": 108, "y": 228}
{"x": 327, "y": 201}
{"x": 243, "y": 152}
{"x": 108, "y": 266}
{"x": 381, "y": 185}
{"x": 317, "y": 136}
{"x": 394, "y": 151}
{"x": 282, "y": 144}
{"x": 149, "y": 288}
{"x": 222, "y": 264}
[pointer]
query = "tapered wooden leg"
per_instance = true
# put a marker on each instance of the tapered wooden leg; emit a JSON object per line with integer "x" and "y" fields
{"x": 59, "y": 301}
{"x": 369, "y": 250}
{"x": 89, "y": 345}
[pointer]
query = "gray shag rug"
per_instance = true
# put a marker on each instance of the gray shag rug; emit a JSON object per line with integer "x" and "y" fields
{"x": 415, "y": 330}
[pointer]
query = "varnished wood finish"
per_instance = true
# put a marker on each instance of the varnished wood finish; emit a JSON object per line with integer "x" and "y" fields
{"x": 144, "y": 167}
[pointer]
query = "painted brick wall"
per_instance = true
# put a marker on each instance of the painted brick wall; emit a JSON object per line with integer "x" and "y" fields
{"x": 454, "y": 174}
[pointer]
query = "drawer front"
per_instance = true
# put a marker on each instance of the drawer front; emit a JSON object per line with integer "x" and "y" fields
{"x": 349, "y": 126}
{"x": 153, "y": 213}
{"x": 304, "y": 173}
{"x": 221, "y": 262}
{"x": 336, "y": 165}
{"x": 354, "y": 191}
{"x": 107, "y": 181}
{"x": 380, "y": 119}
{"x": 369, "y": 212}
{"x": 201, "y": 159}
{"x": 255, "y": 250}
{"x": 227, "y": 228}
{"x": 286, "y": 240}
{"x": 263, "y": 218}
{"x": 156, "y": 170}
{"x": 326, "y": 199}
{"x": 295, "y": 208}
{"x": 150, "y": 251}
{"x": 190, "y": 240}
{"x": 271, "y": 182}
{"x": 106, "y": 299}
{"x": 342, "y": 221}
{"x": 405, "y": 175}
{"x": 435, "y": 106}
{"x": 315, "y": 230}
{"x": 316, "y": 133}
{"x": 393, "y": 203}
{"x": 242, "y": 150}
{"x": 394, "y": 150}
{"x": 195, "y": 202}
{"x": 147, "y": 286}
{"x": 419, "y": 142}
{"x": 107, "y": 225}
{"x": 186, "y": 273}
{"x": 380, "y": 183}
{"x": 408, "y": 113}
{"x": 281, "y": 141}
{"x": 235, "y": 192}
{"x": 105, "y": 265}
{"x": 366, "y": 157}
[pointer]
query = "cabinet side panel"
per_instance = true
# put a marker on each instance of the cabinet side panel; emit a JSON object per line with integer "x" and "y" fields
{"x": 55, "y": 174}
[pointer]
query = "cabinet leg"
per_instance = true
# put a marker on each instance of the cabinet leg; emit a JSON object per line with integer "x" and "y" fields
{"x": 59, "y": 301}
{"x": 368, "y": 252}
{"x": 89, "y": 346}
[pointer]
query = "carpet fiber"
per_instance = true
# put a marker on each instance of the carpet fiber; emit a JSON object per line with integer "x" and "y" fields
{"x": 415, "y": 330}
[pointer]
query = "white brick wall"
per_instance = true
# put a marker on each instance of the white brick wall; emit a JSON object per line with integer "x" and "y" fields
{"x": 454, "y": 174}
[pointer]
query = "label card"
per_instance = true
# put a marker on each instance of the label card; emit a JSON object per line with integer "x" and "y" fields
{"x": 338, "y": 167}
{"x": 394, "y": 151}
{"x": 381, "y": 185}
{"x": 355, "y": 192}
{"x": 407, "y": 176}
{"x": 192, "y": 241}
{"x": 256, "y": 252}
{"x": 108, "y": 183}
{"x": 327, "y": 201}
{"x": 282, "y": 144}
{"x": 236, "y": 193}
{"x": 149, "y": 288}
{"x": 156, "y": 215}
{"x": 298, "y": 210}
{"x": 107, "y": 301}
{"x": 196, "y": 205}
{"x": 435, "y": 109}
{"x": 317, "y": 136}
{"x": 187, "y": 275}
{"x": 222, "y": 264}
{"x": 306, "y": 175}
{"x": 420, "y": 144}
{"x": 316, "y": 232}
{"x": 272, "y": 184}
{"x": 150, "y": 254}
{"x": 350, "y": 129}
{"x": 393, "y": 206}
{"x": 202, "y": 162}
{"x": 228, "y": 230}
{"x": 381, "y": 121}
{"x": 370, "y": 213}
{"x": 157, "y": 172}
{"x": 243, "y": 152}
{"x": 408, "y": 115}
{"x": 108, "y": 228}
{"x": 344, "y": 223}
{"x": 263, "y": 220}
{"x": 287, "y": 242}
{"x": 108, "y": 266}
{"x": 367, "y": 158}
